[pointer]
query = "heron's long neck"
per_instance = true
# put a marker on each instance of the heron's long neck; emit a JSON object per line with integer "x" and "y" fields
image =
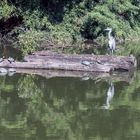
{"x": 109, "y": 34}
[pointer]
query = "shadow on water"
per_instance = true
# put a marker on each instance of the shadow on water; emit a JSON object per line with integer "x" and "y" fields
{"x": 66, "y": 105}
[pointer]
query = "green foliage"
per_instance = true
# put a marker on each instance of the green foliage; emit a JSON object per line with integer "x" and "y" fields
{"x": 6, "y": 10}
{"x": 29, "y": 41}
{"x": 35, "y": 20}
{"x": 111, "y": 16}
{"x": 68, "y": 22}
{"x": 61, "y": 36}
{"x": 129, "y": 48}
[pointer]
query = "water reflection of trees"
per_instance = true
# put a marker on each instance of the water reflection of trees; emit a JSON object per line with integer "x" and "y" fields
{"x": 67, "y": 108}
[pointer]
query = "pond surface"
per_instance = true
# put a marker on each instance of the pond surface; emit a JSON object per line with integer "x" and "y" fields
{"x": 52, "y": 105}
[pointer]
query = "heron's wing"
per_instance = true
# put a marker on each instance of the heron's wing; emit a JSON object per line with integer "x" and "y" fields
{"x": 111, "y": 43}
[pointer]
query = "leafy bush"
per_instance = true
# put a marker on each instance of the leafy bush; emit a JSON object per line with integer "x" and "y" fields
{"x": 6, "y": 10}
{"x": 36, "y": 20}
{"x": 102, "y": 17}
{"x": 29, "y": 41}
{"x": 72, "y": 21}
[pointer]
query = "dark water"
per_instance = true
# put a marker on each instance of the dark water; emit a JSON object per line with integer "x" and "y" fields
{"x": 61, "y": 106}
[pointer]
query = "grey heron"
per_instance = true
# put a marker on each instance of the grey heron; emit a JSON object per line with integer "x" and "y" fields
{"x": 111, "y": 40}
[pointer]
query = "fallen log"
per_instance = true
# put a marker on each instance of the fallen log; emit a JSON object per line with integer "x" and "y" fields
{"x": 55, "y": 65}
{"x": 92, "y": 63}
{"x": 96, "y": 61}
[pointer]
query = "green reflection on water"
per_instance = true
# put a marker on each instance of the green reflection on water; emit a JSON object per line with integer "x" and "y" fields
{"x": 67, "y": 108}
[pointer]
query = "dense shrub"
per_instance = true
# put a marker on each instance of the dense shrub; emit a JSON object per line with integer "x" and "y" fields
{"x": 70, "y": 21}
{"x": 6, "y": 10}
{"x": 29, "y": 41}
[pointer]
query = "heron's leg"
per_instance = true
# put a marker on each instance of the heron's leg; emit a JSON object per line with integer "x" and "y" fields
{"x": 112, "y": 51}
{"x": 108, "y": 51}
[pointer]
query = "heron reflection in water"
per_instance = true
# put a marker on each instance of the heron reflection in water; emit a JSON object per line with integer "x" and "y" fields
{"x": 110, "y": 94}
